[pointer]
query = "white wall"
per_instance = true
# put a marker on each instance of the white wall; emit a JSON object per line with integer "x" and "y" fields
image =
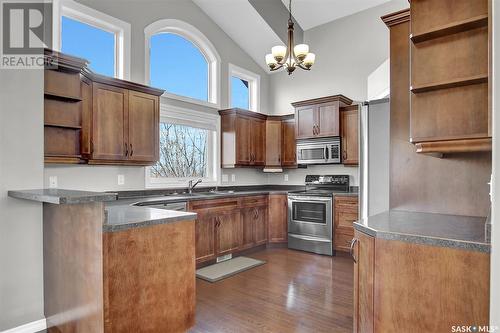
{"x": 21, "y": 167}
{"x": 495, "y": 253}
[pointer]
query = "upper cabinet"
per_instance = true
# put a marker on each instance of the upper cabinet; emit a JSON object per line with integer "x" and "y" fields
{"x": 349, "y": 123}
{"x": 280, "y": 142}
{"x": 98, "y": 120}
{"x": 449, "y": 76}
{"x": 319, "y": 117}
{"x": 288, "y": 144}
{"x": 243, "y": 138}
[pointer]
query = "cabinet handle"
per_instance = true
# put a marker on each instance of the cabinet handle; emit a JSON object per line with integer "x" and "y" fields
{"x": 279, "y": 158}
{"x": 91, "y": 147}
{"x": 314, "y": 129}
{"x": 131, "y": 150}
{"x": 351, "y": 249}
{"x": 344, "y": 155}
{"x": 126, "y": 149}
{"x": 317, "y": 130}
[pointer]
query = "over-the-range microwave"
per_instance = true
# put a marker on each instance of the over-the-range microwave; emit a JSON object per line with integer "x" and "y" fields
{"x": 319, "y": 151}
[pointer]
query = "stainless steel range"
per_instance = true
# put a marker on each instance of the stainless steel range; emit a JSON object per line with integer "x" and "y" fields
{"x": 310, "y": 213}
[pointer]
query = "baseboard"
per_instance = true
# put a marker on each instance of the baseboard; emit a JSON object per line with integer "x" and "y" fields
{"x": 33, "y": 327}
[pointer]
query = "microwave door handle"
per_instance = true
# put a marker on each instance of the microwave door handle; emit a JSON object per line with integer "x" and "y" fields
{"x": 326, "y": 153}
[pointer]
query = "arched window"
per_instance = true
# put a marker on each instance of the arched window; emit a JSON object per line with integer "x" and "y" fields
{"x": 181, "y": 60}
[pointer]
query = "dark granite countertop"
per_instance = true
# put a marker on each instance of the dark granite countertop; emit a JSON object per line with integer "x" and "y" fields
{"x": 124, "y": 217}
{"x": 464, "y": 232}
{"x": 60, "y": 196}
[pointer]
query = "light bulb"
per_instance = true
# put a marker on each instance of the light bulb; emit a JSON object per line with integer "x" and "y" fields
{"x": 278, "y": 52}
{"x": 270, "y": 61}
{"x": 301, "y": 51}
{"x": 309, "y": 60}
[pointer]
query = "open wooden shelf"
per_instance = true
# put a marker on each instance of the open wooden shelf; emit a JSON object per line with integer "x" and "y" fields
{"x": 452, "y": 28}
{"x": 66, "y": 98}
{"x": 65, "y": 159}
{"x": 483, "y": 78}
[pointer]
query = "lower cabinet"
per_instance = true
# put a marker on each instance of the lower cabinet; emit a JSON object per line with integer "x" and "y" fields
{"x": 228, "y": 232}
{"x": 450, "y": 284}
{"x": 226, "y": 226}
{"x": 278, "y": 218}
{"x": 345, "y": 214}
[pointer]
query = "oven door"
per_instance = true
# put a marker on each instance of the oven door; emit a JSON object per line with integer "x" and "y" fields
{"x": 310, "y": 216}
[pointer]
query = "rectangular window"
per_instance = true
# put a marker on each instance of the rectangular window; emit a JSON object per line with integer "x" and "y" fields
{"x": 183, "y": 152}
{"x": 240, "y": 93}
{"x": 188, "y": 148}
{"x": 91, "y": 43}
{"x": 244, "y": 89}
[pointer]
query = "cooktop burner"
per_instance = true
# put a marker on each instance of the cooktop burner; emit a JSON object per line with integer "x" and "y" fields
{"x": 324, "y": 185}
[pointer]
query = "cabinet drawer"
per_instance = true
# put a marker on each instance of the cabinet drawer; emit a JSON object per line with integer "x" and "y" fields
{"x": 346, "y": 204}
{"x": 207, "y": 207}
{"x": 260, "y": 200}
{"x": 343, "y": 242}
{"x": 62, "y": 84}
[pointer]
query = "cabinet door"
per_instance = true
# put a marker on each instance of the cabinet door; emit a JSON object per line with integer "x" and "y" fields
{"x": 258, "y": 142}
{"x": 364, "y": 251}
{"x": 349, "y": 134}
{"x": 205, "y": 238}
{"x": 260, "y": 225}
{"x": 273, "y": 143}
{"x": 278, "y": 215}
{"x": 288, "y": 145}
{"x": 109, "y": 122}
{"x": 143, "y": 120}
{"x": 243, "y": 145}
{"x": 305, "y": 122}
{"x": 228, "y": 232}
{"x": 248, "y": 225}
{"x": 327, "y": 119}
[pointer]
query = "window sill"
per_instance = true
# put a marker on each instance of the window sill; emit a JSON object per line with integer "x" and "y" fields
{"x": 190, "y": 100}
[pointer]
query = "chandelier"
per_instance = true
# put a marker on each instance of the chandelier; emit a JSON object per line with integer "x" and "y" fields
{"x": 292, "y": 56}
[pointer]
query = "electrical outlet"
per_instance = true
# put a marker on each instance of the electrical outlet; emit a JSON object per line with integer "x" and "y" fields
{"x": 121, "y": 179}
{"x": 286, "y": 177}
{"x": 53, "y": 181}
{"x": 233, "y": 177}
{"x": 225, "y": 178}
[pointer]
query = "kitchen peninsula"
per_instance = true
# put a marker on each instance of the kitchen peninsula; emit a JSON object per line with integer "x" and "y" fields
{"x": 112, "y": 270}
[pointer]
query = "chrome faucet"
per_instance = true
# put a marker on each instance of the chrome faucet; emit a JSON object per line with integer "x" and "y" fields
{"x": 191, "y": 186}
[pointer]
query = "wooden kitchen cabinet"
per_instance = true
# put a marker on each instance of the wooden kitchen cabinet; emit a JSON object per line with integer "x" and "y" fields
{"x": 260, "y": 225}
{"x": 278, "y": 218}
{"x": 364, "y": 257}
{"x": 205, "y": 238}
{"x": 345, "y": 214}
{"x": 243, "y": 138}
{"x": 273, "y": 142}
{"x": 319, "y": 117}
{"x": 228, "y": 232}
{"x": 349, "y": 123}
{"x": 288, "y": 144}
{"x": 94, "y": 119}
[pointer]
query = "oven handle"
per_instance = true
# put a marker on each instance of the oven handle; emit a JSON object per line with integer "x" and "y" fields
{"x": 309, "y": 238}
{"x": 309, "y": 199}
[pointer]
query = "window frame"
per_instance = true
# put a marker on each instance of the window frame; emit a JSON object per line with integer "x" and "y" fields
{"x": 188, "y": 117}
{"x": 99, "y": 20}
{"x": 199, "y": 40}
{"x": 253, "y": 86}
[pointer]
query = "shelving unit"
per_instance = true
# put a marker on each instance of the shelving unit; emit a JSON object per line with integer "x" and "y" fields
{"x": 450, "y": 66}
{"x": 63, "y": 111}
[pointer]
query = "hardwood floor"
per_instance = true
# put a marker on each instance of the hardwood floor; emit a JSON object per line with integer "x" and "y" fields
{"x": 294, "y": 292}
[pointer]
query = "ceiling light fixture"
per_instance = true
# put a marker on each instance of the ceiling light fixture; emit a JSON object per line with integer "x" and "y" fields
{"x": 292, "y": 56}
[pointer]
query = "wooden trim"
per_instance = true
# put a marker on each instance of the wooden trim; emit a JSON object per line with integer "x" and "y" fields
{"x": 455, "y": 146}
{"x": 451, "y": 28}
{"x": 344, "y": 101}
{"x": 353, "y": 107}
{"x": 476, "y": 79}
{"x": 111, "y": 81}
{"x": 63, "y": 159}
{"x": 242, "y": 112}
{"x": 396, "y": 17}
{"x": 63, "y": 61}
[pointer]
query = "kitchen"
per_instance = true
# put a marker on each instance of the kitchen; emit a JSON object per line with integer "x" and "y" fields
{"x": 293, "y": 165}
